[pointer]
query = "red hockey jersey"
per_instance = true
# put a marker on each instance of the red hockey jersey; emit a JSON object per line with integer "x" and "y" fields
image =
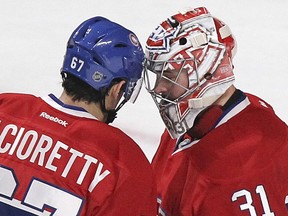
{"x": 240, "y": 168}
{"x": 59, "y": 160}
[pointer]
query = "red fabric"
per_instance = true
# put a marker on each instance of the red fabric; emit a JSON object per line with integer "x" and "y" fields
{"x": 205, "y": 122}
{"x": 85, "y": 168}
{"x": 239, "y": 168}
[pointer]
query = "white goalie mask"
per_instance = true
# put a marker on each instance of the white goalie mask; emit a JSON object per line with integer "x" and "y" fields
{"x": 188, "y": 66}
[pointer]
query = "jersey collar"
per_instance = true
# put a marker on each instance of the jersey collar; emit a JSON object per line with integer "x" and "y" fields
{"x": 53, "y": 101}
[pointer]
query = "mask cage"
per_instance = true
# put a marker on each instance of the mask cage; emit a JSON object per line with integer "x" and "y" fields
{"x": 155, "y": 71}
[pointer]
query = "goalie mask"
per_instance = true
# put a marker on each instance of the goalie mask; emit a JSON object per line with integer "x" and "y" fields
{"x": 188, "y": 66}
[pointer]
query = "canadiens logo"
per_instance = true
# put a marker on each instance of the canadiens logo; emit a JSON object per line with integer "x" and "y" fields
{"x": 134, "y": 40}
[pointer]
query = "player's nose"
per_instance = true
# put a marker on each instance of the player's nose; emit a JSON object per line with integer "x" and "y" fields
{"x": 160, "y": 88}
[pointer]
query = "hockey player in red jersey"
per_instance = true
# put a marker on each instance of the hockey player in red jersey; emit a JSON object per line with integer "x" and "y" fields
{"x": 224, "y": 152}
{"x": 59, "y": 156}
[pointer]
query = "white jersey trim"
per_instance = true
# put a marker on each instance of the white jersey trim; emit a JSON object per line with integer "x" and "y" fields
{"x": 237, "y": 109}
{"x": 183, "y": 147}
{"x": 51, "y": 100}
{"x": 17, "y": 204}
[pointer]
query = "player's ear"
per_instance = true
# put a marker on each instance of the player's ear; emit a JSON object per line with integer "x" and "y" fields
{"x": 117, "y": 89}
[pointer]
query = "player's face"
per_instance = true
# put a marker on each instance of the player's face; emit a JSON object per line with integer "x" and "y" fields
{"x": 171, "y": 84}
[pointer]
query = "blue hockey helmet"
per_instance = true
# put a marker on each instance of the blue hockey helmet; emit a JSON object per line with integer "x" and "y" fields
{"x": 99, "y": 51}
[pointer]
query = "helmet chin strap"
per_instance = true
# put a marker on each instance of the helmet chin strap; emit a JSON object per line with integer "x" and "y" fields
{"x": 111, "y": 114}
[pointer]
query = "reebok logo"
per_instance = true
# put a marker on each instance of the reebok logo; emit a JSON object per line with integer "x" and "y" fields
{"x": 54, "y": 119}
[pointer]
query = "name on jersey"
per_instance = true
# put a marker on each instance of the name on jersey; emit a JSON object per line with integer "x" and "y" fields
{"x": 42, "y": 150}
